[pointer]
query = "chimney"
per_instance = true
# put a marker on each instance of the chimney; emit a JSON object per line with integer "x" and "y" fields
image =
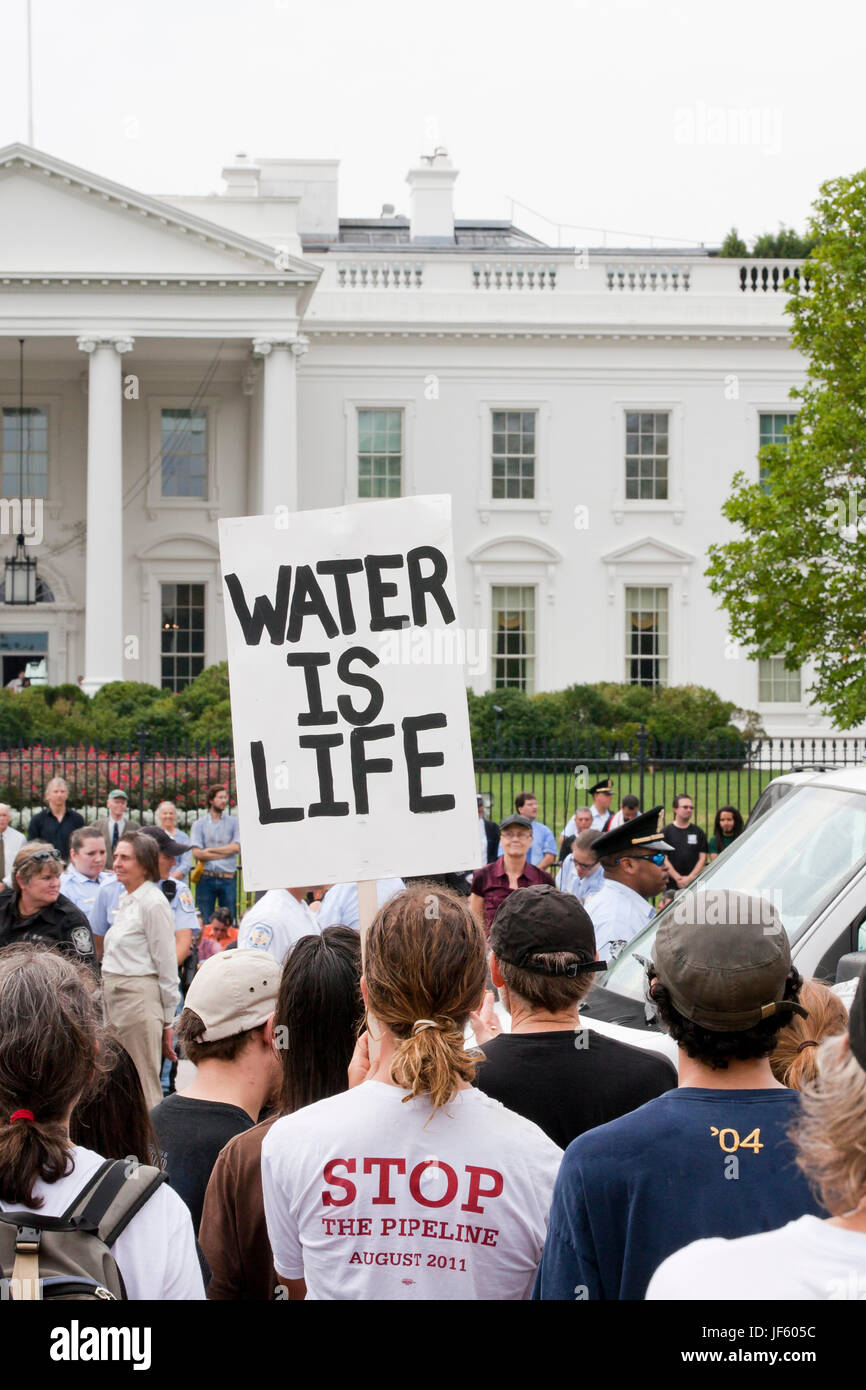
{"x": 431, "y": 211}
{"x": 241, "y": 177}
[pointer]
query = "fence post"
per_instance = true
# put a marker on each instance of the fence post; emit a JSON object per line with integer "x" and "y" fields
{"x": 142, "y": 743}
{"x": 641, "y": 757}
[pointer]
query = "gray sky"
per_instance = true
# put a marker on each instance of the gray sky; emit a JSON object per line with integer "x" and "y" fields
{"x": 639, "y": 115}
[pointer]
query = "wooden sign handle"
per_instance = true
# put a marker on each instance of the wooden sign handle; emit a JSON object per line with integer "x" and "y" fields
{"x": 368, "y": 906}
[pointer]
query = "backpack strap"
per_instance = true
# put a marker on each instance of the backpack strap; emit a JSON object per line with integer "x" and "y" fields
{"x": 113, "y": 1197}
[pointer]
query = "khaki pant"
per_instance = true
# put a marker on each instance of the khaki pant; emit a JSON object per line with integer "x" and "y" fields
{"x": 133, "y": 1010}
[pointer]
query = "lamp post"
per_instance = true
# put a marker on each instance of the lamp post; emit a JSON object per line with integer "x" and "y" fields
{"x": 20, "y": 568}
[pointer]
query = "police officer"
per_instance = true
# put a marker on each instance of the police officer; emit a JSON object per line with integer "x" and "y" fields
{"x": 632, "y": 857}
{"x": 177, "y": 895}
{"x": 602, "y": 794}
{"x": 86, "y": 874}
{"x": 35, "y": 910}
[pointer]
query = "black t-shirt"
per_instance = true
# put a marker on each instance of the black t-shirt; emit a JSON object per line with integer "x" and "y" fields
{"x": 191, "y": 1133}
{"x": 569, "y": 1082}
{"x": 688, "y": 845}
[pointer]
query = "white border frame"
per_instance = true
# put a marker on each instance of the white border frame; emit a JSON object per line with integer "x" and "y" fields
{"x": 541, "y": 505}
{"x": 154, "y": 500}
{"x": 674, "y": 504}
{"x": 351, "y": 406}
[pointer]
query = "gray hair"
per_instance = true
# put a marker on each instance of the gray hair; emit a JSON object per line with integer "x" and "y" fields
{"x": 57, "y": 782}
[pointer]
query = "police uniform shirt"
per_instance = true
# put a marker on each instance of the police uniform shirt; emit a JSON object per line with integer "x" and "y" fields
{"x": 618, "y": 914}
{"x": 599, "y": 819}
{"x": 59, "y": 924}
{"x": 340, "y": 903}
{"x": 275, "y": 923}
{"x": 542, "y": 843}
{"x": 83, "y": 891}
{"x": 108, "y": 899}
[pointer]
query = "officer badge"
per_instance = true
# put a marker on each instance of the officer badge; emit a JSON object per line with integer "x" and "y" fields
{"x": 261, "y": 937}
{"x": 82, "y": 941}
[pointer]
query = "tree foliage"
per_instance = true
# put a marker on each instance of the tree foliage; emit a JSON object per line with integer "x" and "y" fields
{"x": 792, "y": 580}
{"x": 785, "y": 244}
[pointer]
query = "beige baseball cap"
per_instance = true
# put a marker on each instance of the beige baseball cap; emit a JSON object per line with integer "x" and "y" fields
{"x": 234, "y": 992}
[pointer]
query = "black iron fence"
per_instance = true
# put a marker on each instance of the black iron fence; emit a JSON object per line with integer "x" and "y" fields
{"x": 714, "y": 773}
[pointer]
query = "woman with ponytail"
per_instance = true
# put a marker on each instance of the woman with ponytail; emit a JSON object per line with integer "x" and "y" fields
{"x": 794, "y": 1059}
{"x": 413, "y": 1183}
{"x": 49, "y": 1054}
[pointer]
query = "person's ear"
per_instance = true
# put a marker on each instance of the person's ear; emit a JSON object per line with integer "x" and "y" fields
{"x": 495, "y": 972}
{"x": 364, "y": 991}
{"x": 268, "y": 1035}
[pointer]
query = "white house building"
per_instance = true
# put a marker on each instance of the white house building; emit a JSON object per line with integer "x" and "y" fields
{"x": 191, "y": 357}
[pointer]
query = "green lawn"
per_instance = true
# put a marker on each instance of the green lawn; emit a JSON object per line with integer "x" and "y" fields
{"x": 557, "y": 798}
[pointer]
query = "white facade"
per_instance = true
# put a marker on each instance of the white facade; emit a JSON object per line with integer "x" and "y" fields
{"x": 264, "y": 315}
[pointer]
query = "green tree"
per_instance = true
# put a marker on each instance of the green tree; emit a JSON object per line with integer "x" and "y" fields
{"x": 733, "y": 245}
{"x": 792, "y": 581}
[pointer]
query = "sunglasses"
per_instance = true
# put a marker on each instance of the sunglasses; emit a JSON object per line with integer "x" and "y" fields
{"x": 650, "y": 858}
{"x": 42, "y": 854}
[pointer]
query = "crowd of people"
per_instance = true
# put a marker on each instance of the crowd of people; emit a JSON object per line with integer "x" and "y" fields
{"x": 440, "y": 1120}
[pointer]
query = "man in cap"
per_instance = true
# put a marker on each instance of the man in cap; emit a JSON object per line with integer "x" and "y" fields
{"x": 542, "y": 852}
{"x": 226, "y": 1031}
{"x": 712, "y": 1158}
{"x": 86, "y": 873}
{"x": 112, "y": 826}
{"x": 602, "y": 795}
{"x": 632, "y": 858}
{"x": 807, "y": 1259}
{"x": 512, "y": 870}
{"x": 549, "y": 1068}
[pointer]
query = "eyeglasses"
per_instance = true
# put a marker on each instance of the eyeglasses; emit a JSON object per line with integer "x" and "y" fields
{"x": 42, "y": 854}
{"x": 647, "y": 858}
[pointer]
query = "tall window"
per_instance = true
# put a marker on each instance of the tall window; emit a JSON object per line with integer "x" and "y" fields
{"x": 184, "y": 453}
{"x": 775, "y": 684}
{"x": 181, "y": 634}
{"x": 514, "y": 637}
{"x": 773, "y": 429}
{"x": 513, "y": 454}
{"x": 646, "y": 454}
{"x": 25, "y": 439}
{"x": 380, "y": 453}
{"x": 646, "y": 636}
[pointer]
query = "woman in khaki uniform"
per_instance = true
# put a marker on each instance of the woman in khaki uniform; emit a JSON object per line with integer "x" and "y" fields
{"x": 139, "y": 963}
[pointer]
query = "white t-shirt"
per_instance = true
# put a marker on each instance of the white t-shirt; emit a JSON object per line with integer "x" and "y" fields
{"x": 807, "y": 1259}
{"x": 156, "y": 1252}
{"x": 368, "y": 1197}
{"x": 275, "y": 923}
{"x": 340, "y": 904}
{"x": 618, "y": 914}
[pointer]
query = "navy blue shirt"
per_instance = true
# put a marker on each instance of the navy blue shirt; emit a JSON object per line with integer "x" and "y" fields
{"x": 689, "y": 1164}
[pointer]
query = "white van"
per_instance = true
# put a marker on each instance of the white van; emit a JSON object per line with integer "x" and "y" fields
{"x": 804, "y": 849}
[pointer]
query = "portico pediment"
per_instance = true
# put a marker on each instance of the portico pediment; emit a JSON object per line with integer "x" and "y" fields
{"x": 109, "y": 231}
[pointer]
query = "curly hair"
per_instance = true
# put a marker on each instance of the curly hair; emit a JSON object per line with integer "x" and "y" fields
{"x": 828, "y": 1136}
{"x": 714, "y": 1049}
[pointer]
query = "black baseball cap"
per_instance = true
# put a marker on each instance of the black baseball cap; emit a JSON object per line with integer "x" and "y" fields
{"x": 164, "y": 843}
{"x": 515, "y": 819}
{"x": 857, "y": 1023}
{"x": 540, "y": 920}
{"x": 724, "y": 958}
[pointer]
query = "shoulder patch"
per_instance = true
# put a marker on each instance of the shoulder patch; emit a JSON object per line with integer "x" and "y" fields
{"x": 261, "y": 937}
{"x": 82, "y": 941}
{"x": 186, "y": 902}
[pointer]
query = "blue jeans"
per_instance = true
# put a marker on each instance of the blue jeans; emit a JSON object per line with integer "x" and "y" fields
{"x": 214, "y": 892}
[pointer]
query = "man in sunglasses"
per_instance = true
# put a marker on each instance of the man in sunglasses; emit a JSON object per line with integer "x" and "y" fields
{"x": 633, "y": 858}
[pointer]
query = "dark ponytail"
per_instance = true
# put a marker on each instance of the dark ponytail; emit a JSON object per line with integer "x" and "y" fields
{"x": 48, "y": 1042}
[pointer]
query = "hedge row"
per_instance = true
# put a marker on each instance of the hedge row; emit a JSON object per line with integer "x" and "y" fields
{"x": 201, "y": 715}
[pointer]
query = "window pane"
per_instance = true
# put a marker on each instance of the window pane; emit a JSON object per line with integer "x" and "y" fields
{"x": 513, "y": 454}
{"x": 513, "y": 624}
{"x": 380, "y": 453}
{"x": 181, "y": 632}
{"x": 646, "y": 455}
{"x": 184, "y": 453}
{"x": 646, "y": 636}
{"x": 24, "y": 452}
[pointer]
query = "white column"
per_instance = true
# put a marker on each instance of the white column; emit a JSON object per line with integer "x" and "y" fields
{"x": 103, "y": 632}
{"x": 279, "y": 471}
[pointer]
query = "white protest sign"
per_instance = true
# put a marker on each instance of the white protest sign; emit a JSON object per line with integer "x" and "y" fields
{"x": 352, "y": 755}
